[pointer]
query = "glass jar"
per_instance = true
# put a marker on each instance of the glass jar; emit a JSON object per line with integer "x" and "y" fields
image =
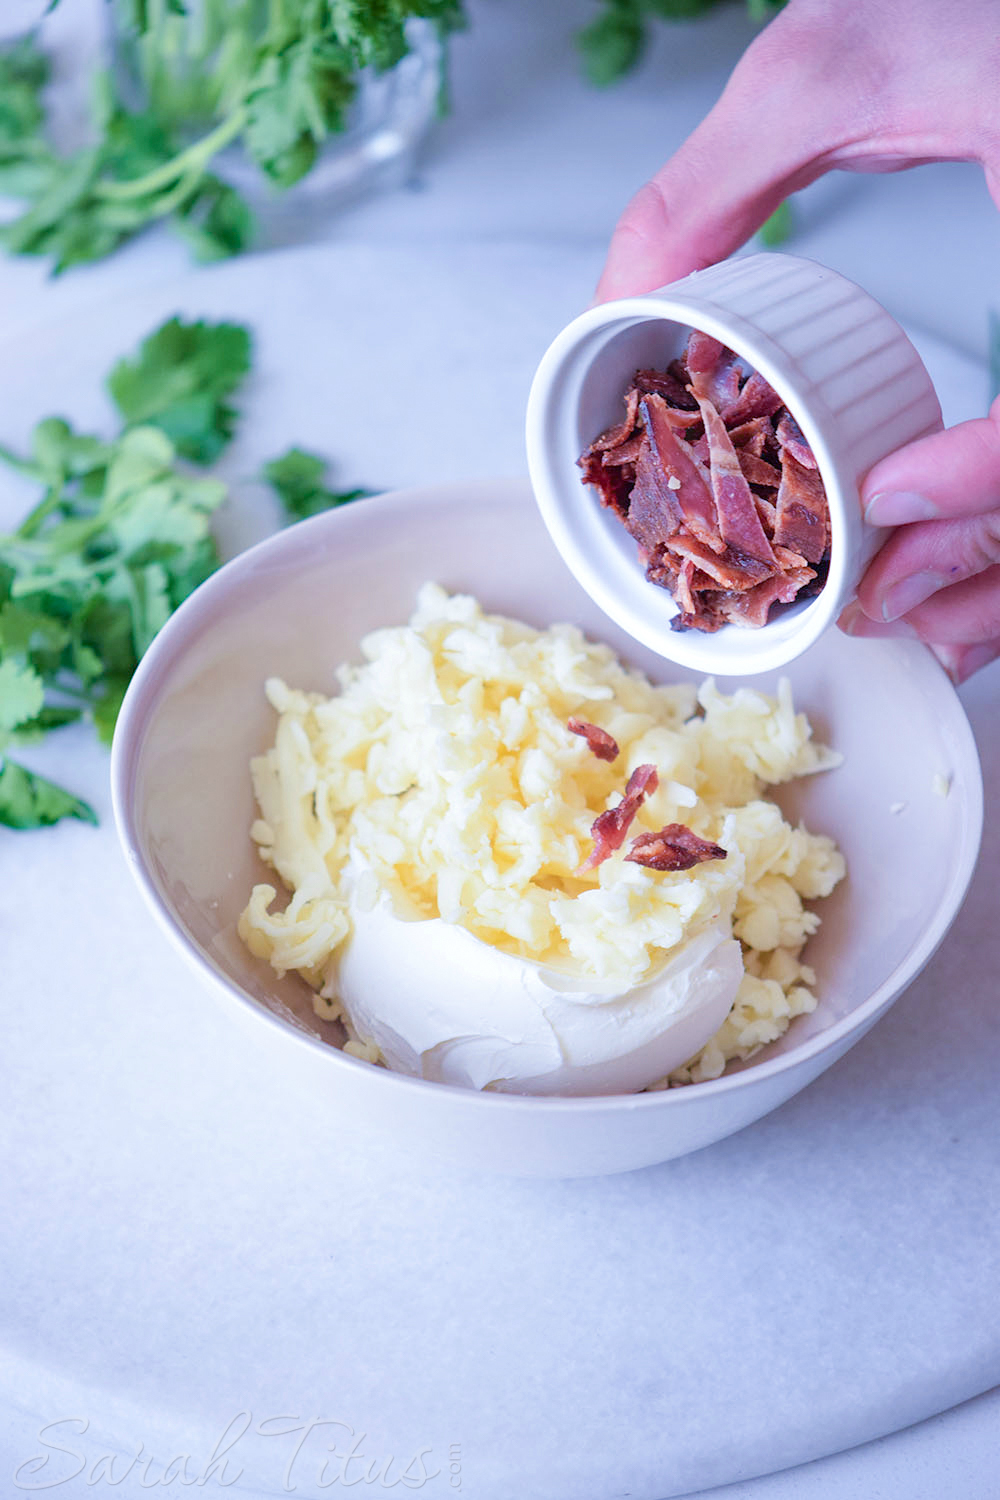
{"x": 181, "y": 67}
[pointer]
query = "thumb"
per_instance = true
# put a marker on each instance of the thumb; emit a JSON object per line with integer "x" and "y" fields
{"x": 696, "y": 211}
{"x": 767, "y": 135}
{"x": 798, "y": 104}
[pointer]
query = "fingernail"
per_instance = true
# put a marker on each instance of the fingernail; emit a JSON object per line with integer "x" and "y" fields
{"x": 847, "y": 617}
{"x": 899, "y": 508}
{"x": 856, "y": 623}
{"x": 910, "y": 592}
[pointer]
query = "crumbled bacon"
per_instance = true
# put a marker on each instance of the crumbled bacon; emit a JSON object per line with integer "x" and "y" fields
{"x": 756, "y": 399}
{"x": 690, "y": 499}
{"x": 673, "y": 390}
{"x": 739, "y": 524}
{"x": 715, "y": 375}
{"x": 790, "y": 439}
{"x": 803, "y": 516}
{"x": 599, "y": 741}
{"x": 712, "y": 476}
{"x": 609, "y": 828}
{"x": 673, "y": 848}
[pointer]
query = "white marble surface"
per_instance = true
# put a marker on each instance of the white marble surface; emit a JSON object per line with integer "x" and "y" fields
{"x": 191, "y": 1243}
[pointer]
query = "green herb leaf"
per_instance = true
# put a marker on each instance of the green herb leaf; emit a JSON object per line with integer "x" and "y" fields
{"x": 682, "y": 10}
{"x": 22, "y": 694}
{"x": 119, "y": 538}
{"x": 994, "y": 355}
{"x": 764, "y": 10}
{"x": 373, "y": 32}
{"x": 278, "y": 78}
{"x": 24, "y": 71}
{"x": 28, "y": 800}
{"x": 179, "y": 383}
{"x": 614, "y": 42}
{"x": 52, "y": 716}
{"x": 215, "y": 221}
{"x": 611, "y": 45}
{"x": 105, "y": 710}
{"x": 298, "y": 478}
{"x": 779, "y": 227}
{"x": 293, "y": 103}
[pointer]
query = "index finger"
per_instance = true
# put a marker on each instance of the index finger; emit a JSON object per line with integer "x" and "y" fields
{"x": 687, "y": 217}
{"x": 730, "y": 174}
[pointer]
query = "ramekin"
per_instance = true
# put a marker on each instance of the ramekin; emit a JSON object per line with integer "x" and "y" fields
{"x": 846, "y": 371}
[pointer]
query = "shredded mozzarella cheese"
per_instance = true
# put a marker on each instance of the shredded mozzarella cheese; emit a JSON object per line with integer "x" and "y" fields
{"x": 446, "y": 763}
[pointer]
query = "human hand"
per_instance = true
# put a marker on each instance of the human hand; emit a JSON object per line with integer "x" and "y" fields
{"x": 938, "y": 575}
{"x": 871, "y": 88}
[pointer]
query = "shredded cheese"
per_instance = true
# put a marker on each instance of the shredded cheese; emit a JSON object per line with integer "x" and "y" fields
{"x": 446, "y": 763}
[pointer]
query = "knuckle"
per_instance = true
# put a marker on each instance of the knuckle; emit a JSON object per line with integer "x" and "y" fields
{"x": 980, "y": 622}
{"x": 974, "y": 546}
{"x": 647, "y": 210}
{"x": 985, "y": 612}
{"x": 984, "y": 437}
{"x": 653, "y": 220}
{"x": 964, "y": 616}
{"x": 986, "y": 542}
{"x": 643, "y": 221}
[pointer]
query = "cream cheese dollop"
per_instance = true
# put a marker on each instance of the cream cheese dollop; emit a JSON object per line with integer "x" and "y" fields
{"x": 441, "y": 1004}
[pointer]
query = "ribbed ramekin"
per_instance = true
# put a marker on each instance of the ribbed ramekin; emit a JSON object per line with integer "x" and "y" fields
{"x": 843, "y": 366}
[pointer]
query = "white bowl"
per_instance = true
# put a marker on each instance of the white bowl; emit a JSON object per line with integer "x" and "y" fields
{"x": 847, "y": 372}
{"x": 297, "y": 605}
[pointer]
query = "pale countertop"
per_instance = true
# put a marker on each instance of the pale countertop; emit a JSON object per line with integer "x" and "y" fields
{"x": 505, "y": 226}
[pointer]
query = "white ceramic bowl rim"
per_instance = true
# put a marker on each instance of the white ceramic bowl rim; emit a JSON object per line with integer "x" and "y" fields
{"x": 198, "y": 611}
{"x": 812, "y": 616}
{"x": 743, "y": 304}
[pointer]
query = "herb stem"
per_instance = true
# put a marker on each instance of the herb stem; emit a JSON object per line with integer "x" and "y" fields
{"x": 22, "y": 465}
{"x": 38, "y": 514}
{"x": 187, "y": 185}
{"x": 186, "y": 163}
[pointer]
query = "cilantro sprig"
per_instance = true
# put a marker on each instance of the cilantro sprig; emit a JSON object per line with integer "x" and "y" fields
{"x": 279, "y": 79}
{"x": 117, "y": 540}
{"x": 28, "y": 800}
{"x": 82, "y": 206}
{"x": 298, "y": 479}
{"x": 118, "y": 537}
{"x": 180, "y": 381}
